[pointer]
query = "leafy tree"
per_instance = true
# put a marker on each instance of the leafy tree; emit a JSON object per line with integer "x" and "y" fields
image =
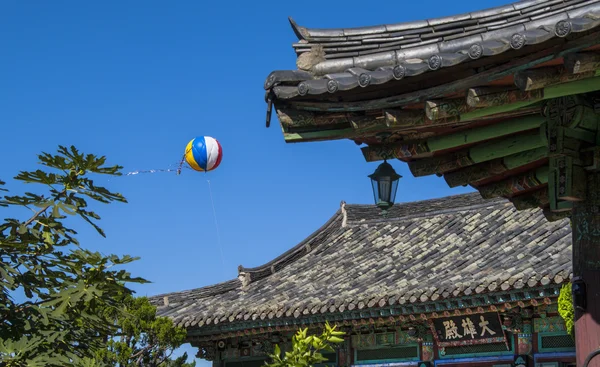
{"x": 143, "y": 339}
{"x": 565, "y": 308}
{"x": 306, "y": 349}
{"x": 54, "y": 295}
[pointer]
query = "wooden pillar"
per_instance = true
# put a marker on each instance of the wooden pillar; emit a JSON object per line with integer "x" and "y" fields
{"x": 525, "y": 342}
{"x": 586, "y": 270}
{"x": 573, "y": 126}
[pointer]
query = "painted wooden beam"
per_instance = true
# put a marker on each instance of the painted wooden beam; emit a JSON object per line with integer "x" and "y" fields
{"x": 298, "y": 137}
{"x": 536, "y": 199}
{"x": 396, "y": 117}
{"x": 393, "y": 119}
{"x": 548, "y": 76}
{"x": 582, "y": 62}
{"x": 505, "y": 101}
{"x": 373, "y": 153}
{"x": 404, "y": 121}
{"x": 507, "y": 146}
{"x": 425, "y": 148}
{"x": 576, "y": 87}
{"x": 414, "y": 118}
{"x": 449, "y": 108}
{"x": 486, "y": 170}
{"x": 494, "y": 96}
{"x": 482, "y": 152}
{"x": 568, "y": 89}
{"x": 479, "y": 134}
{"x": 438, "y": 165}
{"x": 516, "y": 184}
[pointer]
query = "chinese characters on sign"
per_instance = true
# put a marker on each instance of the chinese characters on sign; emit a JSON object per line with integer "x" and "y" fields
{"x": 469, "y": 329}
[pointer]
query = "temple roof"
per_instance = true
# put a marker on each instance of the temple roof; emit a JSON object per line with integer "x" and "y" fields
{"x": 505, "y": 100}
{"x": 337, "y": 60}
{"x": 421, "y": 252}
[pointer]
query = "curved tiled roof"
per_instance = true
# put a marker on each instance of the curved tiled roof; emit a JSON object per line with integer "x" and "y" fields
{"x": 423, "y": 251}
{"x": 332, "y": 60}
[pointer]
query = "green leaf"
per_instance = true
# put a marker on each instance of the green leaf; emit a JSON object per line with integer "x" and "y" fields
{"x": 335, "y": 339}
{"x": 277, "y": 350}
{"x": 74, "y": 301}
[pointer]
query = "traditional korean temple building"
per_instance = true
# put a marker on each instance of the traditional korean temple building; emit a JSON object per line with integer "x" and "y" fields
{"x": 456, "y": 281}
{"x": 505, "y": 100}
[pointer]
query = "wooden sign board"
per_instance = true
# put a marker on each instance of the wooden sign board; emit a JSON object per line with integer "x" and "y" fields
{"x": 472, "y": 329}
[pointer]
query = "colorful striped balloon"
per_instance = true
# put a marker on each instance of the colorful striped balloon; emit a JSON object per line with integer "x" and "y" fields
{"x": 203, "y": 153}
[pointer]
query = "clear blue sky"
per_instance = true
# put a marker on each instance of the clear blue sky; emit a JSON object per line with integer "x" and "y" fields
{"x": 136, "y": 80}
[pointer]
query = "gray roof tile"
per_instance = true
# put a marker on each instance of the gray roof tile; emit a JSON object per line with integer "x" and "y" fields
{"x": 385, "y": 46}
{"x": 446, "y": 247}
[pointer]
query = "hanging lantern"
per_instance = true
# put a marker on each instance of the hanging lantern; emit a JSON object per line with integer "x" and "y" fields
{"x": 385, "y": 183}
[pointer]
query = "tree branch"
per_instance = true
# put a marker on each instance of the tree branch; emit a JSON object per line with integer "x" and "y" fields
{"x": 42, "y": 211}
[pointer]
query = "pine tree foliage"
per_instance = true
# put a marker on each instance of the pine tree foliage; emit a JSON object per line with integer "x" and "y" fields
{"x": 142, "y": 338}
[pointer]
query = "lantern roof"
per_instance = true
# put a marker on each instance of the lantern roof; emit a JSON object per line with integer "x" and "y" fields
{"x": 446, "y": 250}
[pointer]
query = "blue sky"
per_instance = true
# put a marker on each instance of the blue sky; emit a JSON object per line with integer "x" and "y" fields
{"x": 136, "y": 80}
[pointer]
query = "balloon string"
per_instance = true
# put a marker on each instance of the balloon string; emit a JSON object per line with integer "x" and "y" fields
{"x": 180, "y": 165}
{"x": 182, "y": 161}
{"x": 216, "y": 226}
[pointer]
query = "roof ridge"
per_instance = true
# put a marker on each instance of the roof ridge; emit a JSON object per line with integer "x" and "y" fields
{"x": 438, "y": 23}
{"x": 293, "y": 254}
{"x": 452, "y": 209}
{"x": 474, "y": 193}
{"x": 208, "y": 291}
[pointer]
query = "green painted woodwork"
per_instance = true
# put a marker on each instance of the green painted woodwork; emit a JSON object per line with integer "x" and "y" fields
{"x": 562, "y": 334}
{"x": 484, "y": 133}
{"x": 319, "y": 135}
{"x": 572, "y": 88}
{"x": 567, "y": 181}
{"x": 471, "y": 301}
{"x": 516, "y": 184}
{"x": 582, "y": 61}
{"x": 506, "y": 146}
{"x": 385, "y": 361}
{"x": 409, "y": 118}
{"x": 554, "y": 91}
{"x": 482, "y": 152}
{"x": 496, "y": 96}
{"x": 405, "y": 150}
{"x": 444, "y": 163}
{"x": 395, "y": 123}
{"x": 476, "y": 114}
{"x": 379, "y": 152}
{"x": 474, "y": 173}
{"x": 571, "y": 125}
{"x": 495, "y": 167}
{"x": 444, "y": 109}
{"x": 524, "y": 158}
{"x": 543, "y": 77}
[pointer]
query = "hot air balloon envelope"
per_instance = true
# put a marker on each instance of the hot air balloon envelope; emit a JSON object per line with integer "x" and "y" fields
{"x": 203, "y": 153}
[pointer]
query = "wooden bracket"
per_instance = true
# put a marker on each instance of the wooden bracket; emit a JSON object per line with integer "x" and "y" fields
{"x": 566, "y": 183}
